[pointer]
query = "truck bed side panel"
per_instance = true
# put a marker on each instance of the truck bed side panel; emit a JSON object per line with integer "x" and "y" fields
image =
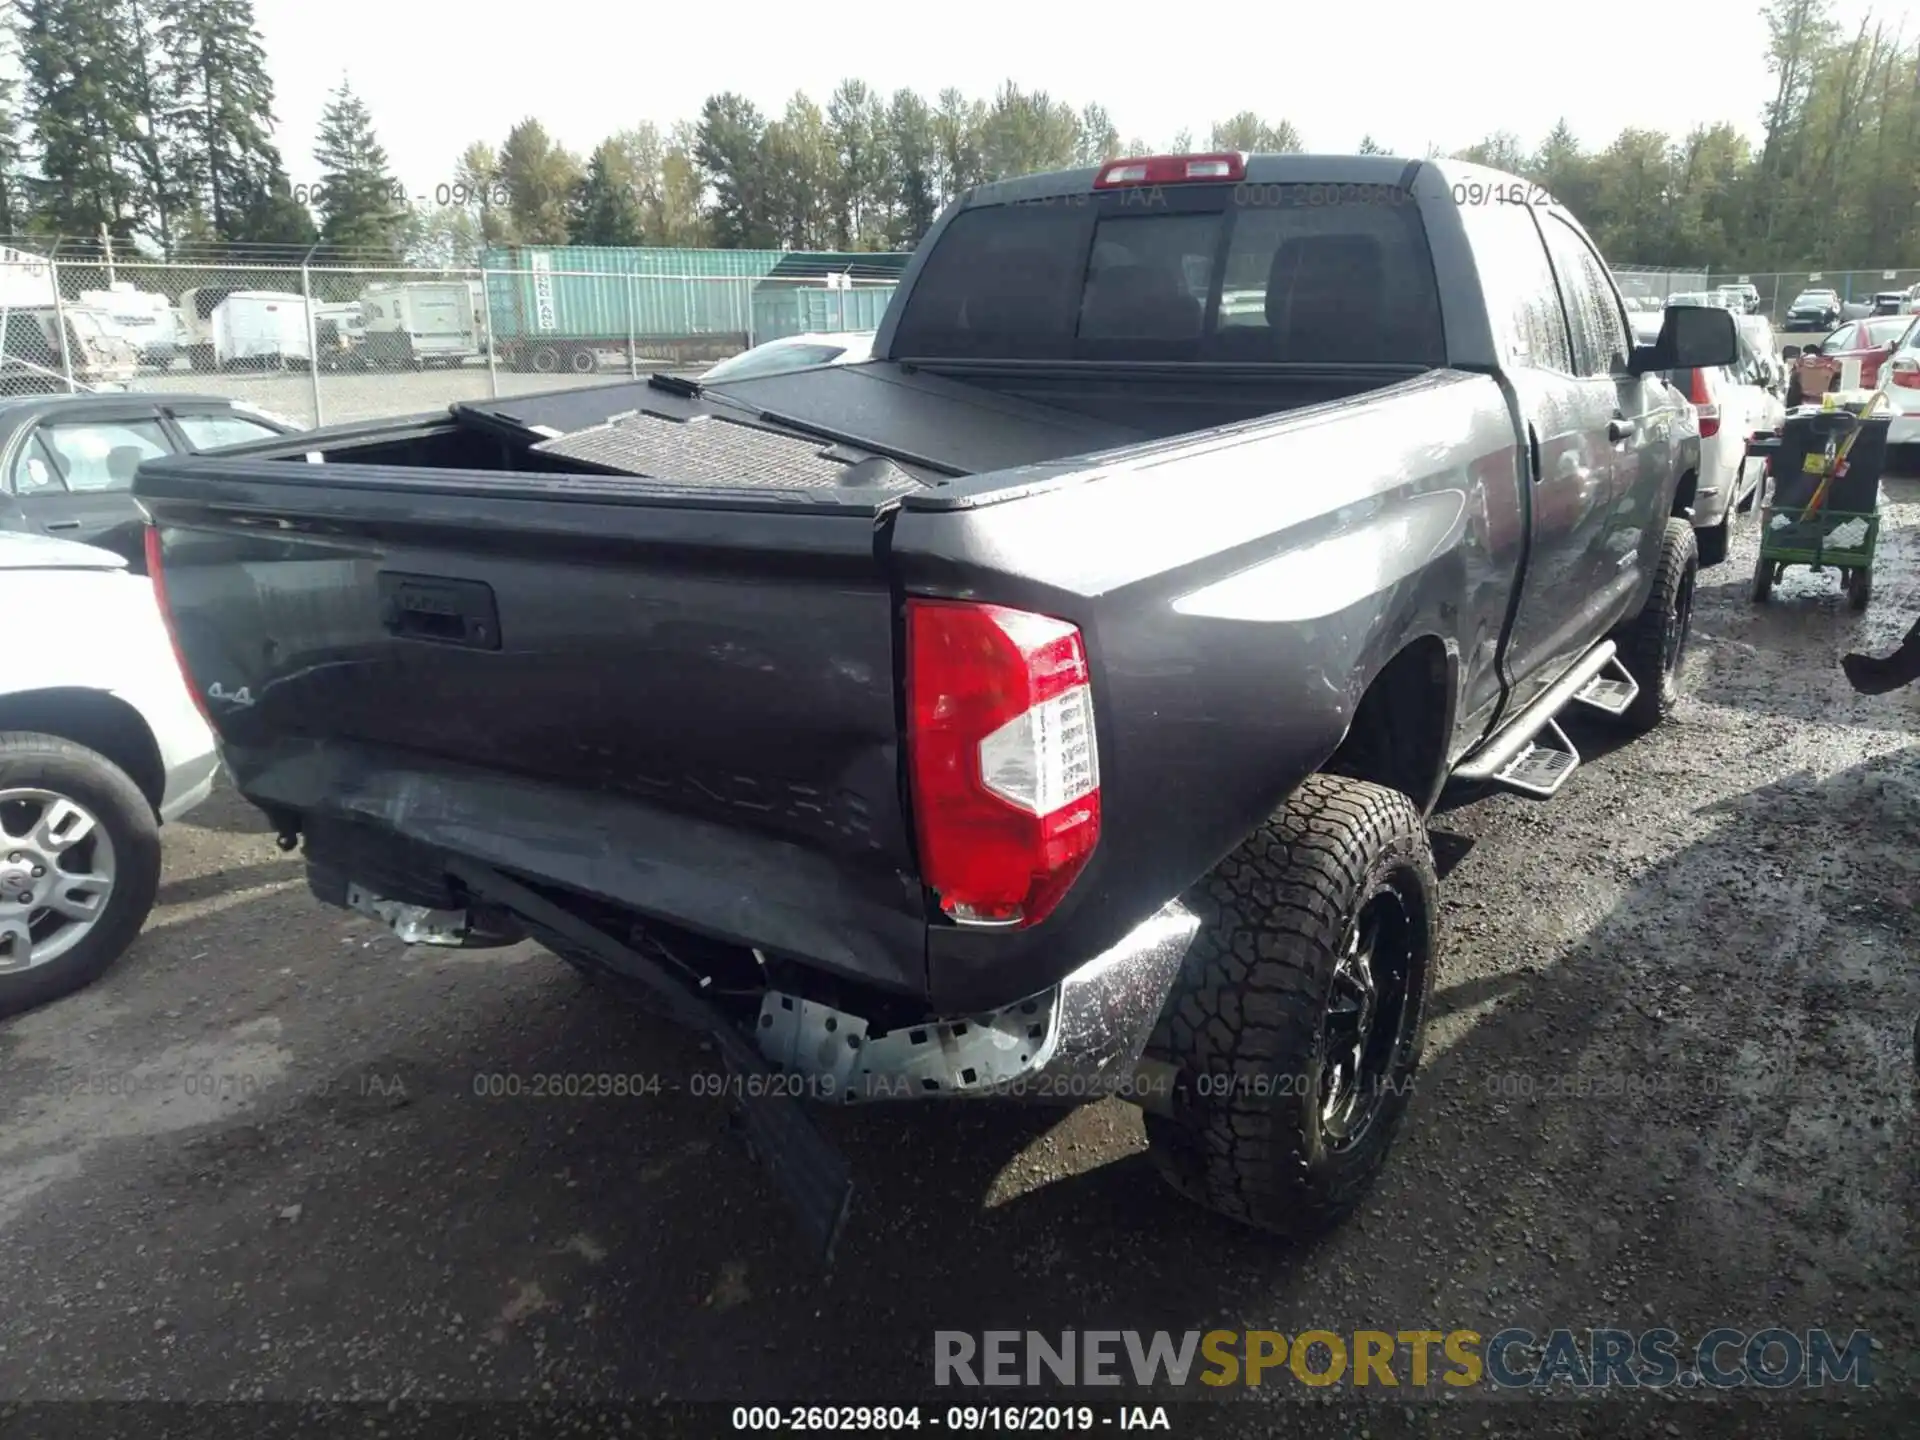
{"x": 1237, "y": 594}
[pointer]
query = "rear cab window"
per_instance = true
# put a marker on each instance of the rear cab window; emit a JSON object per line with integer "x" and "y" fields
{"x": 1253, "y": 274}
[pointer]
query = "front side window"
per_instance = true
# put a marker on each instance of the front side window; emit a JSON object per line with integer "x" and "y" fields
{"x": 103, "y": 454}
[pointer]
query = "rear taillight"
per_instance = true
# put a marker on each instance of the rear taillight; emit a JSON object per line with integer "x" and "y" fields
{"x": 1906, "y": 372}
{"x": 158, "y": 576}
{"x": 1005, "y": 768}
{"x": 1704, "y": 403}
{"x": 1172, "y": 170}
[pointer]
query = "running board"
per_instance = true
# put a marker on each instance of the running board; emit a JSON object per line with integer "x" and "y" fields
{"x": 1611, "y": 692}
{"x": 1516, "y": 759}
{"x": 1543, "y": 764}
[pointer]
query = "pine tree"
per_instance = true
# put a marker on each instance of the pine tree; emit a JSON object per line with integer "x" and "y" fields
{"x": 541, "y": 180}
{"x": 75, "y": 64}
{"x": 607, "y": 204}
{"x": 150, "y": 112}
{"x": 730, "y": 151}
{"x": 219, "y": 122}
{"x": 363, "y": 213}
{"x": 14, "y": 199}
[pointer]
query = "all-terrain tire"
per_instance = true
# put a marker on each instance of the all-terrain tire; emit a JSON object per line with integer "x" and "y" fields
{"x": 1653, "y": 645}
{"x": 1245, "y": 1024}
{"x": 33, "y": 761}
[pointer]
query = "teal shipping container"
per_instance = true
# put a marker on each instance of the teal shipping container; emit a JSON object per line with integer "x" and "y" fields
{"x": 782, "y": 308}
{"x": 552, "y": 307}
{"x": 560, "y": 293}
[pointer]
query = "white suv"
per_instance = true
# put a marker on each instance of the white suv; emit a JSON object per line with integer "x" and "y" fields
{"x": 100, "y": 744}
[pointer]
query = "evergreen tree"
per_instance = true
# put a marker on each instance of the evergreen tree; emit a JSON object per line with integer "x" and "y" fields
{"x": 730, "y": 151}
{"x": 541, "y": 180}
{"x": 362, "y": 210}
{"x": 607, "y": 205}
{"x": 158, "y": 192}
{"x": 75, "y": 63}
{"x": 219, "y": 121}
{"x": 15, "y": 202}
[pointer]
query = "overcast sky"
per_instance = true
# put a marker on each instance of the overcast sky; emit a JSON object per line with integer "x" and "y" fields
{"x": 437, "y": 74}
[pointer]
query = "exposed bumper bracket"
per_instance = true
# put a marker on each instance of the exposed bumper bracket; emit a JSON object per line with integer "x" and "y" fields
{"x": 1079, "y": 1040}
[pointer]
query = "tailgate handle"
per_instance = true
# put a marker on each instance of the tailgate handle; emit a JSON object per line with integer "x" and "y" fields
{"x": 447, "y": 612}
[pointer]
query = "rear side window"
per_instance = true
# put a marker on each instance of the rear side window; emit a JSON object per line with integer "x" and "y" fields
{"x": 1258, "y": 274}
{"x": 1522, "y": 300}
{"x": 210, "y": 432}
{"x": 1593, "y": 314}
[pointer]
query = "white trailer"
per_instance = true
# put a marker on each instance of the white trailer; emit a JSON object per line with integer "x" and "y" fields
{"x": 26, "y": 280}
{"x": 261, "y": 329}
{"x": 140, "y": 317}
{"x": 421, "y": 322}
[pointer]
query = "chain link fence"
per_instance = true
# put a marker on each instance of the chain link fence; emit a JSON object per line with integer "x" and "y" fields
{"x": 325, "y": 344}
{"x": 1859, "y": 290}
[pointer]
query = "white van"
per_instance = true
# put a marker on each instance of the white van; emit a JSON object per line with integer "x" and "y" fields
{"x": 421, "y": 323}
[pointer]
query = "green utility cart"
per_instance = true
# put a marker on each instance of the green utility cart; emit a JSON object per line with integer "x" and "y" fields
{"x": 1824, "y": 510}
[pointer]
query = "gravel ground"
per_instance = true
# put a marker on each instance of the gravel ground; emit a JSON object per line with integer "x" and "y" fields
{"x": 252, "y": 1161}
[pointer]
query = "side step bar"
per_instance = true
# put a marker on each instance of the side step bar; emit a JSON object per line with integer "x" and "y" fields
{"x": 1532, "y": 755}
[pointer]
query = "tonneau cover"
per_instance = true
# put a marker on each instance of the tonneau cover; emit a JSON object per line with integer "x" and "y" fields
{"x": 878, "y": 405}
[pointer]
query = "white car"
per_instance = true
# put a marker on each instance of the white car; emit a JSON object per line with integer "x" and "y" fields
{"x": 100, "y": 744}
{"x": 1903, "y": 399}
{"x": 1732, "y": 403}
{"x": 794, "y": 352}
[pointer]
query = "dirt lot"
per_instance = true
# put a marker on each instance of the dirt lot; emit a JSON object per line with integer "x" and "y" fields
{"x": 1671, "y": 1084}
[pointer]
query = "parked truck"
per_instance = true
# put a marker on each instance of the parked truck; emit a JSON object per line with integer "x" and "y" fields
{"x": 421, "y": 323}
{"x": 1049, "y": 707}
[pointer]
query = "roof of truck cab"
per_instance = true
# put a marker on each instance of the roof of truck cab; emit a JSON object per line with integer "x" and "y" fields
{"x": 1261, "y": 170}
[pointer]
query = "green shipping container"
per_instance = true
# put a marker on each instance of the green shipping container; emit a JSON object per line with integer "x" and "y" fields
{"x": 608, "y": 295}
{"x": 782, "y": 308}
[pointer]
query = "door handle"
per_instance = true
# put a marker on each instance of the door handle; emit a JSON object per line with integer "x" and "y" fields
{"x": 63, "y": 525}
{"x": 1620, "y": 428}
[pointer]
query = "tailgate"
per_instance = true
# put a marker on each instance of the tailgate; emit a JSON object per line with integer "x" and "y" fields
{"x": 689, "y": 712}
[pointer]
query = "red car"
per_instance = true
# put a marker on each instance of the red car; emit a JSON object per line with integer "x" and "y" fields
{"x": 1818, "y": 368}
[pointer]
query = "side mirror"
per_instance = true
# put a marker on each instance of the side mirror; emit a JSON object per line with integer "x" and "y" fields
{"x": 1789, "y": 353}
{"x": 1692, "y": 337}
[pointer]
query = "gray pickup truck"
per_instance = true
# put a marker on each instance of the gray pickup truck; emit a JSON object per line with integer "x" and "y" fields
{"x": 1048, "y": 707}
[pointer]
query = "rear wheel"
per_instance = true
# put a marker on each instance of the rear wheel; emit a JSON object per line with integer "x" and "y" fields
{"x": 1296, "y": 1023}
{"x": 79, "y": 866}
{"x": 546, "y": 360}
{"x": 1765, "y": 572}
{"x": 583, "y": 361}
{"x": 1653, "y": 645}
{"x": 1860, "y": 587}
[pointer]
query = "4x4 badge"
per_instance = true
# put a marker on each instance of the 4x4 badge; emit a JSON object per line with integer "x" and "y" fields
{"x": 217, "y": 691}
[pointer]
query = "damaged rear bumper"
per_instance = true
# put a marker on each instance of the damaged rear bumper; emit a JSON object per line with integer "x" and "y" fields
{"x": 1079, "y": 1040}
